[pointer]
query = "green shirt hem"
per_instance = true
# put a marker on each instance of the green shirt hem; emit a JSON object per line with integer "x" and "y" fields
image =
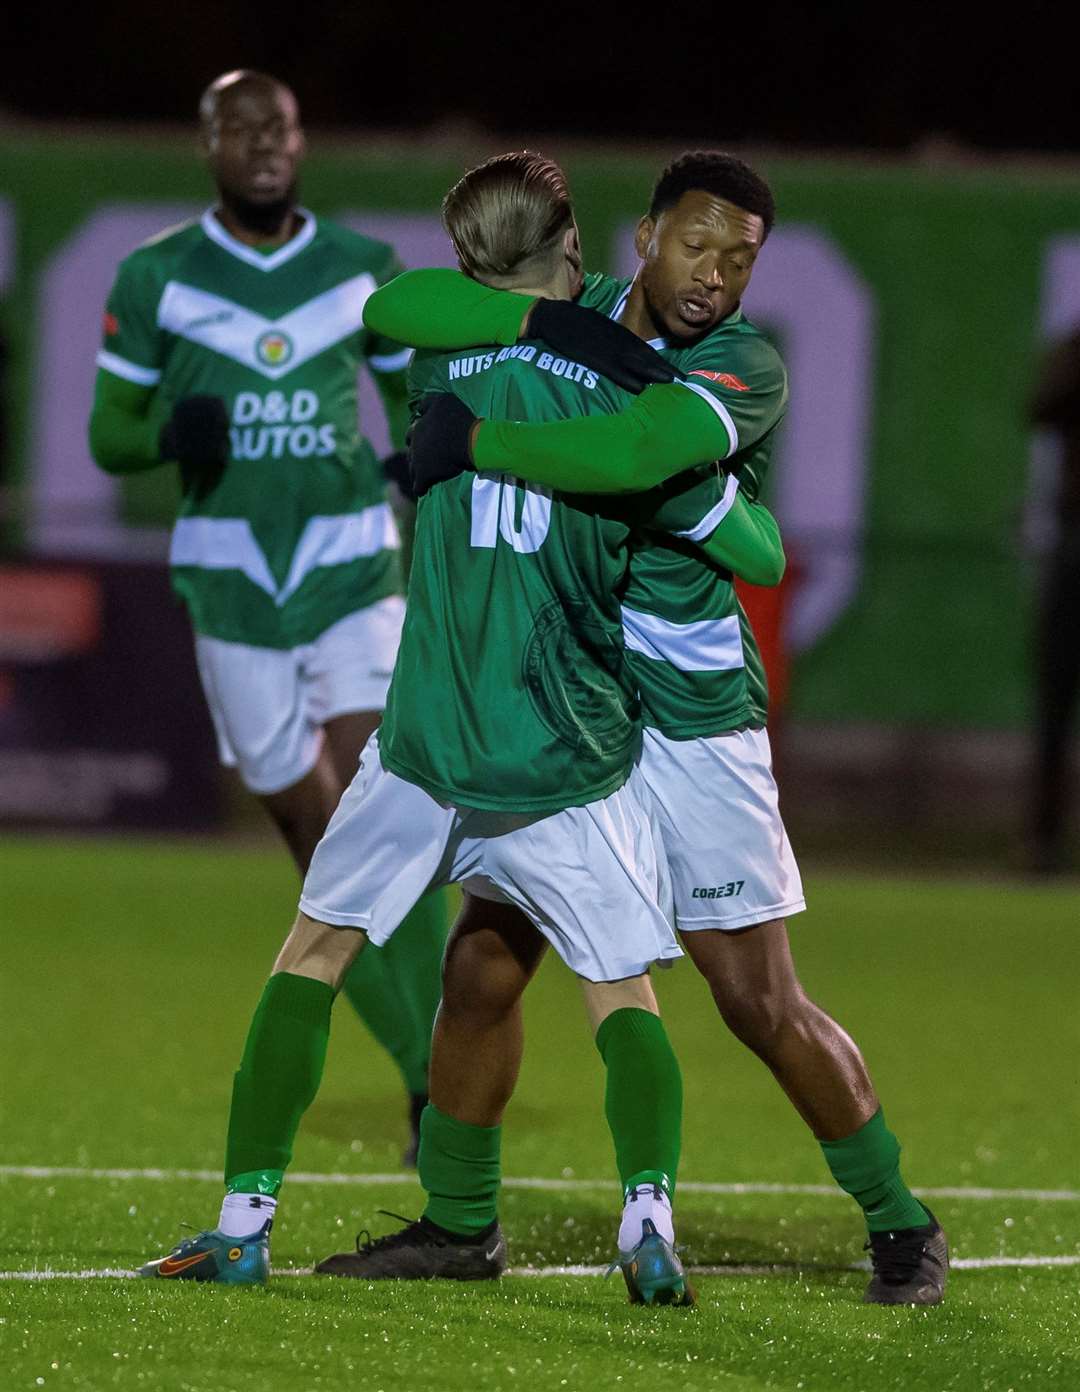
{"x": 461, "y": 797}
{"x": 707, "y": 729}
{"x": 292, "y": 631}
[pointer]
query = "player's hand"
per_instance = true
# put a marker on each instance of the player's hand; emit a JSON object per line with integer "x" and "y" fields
{"x": 598, "y": 342}
{"x": 196, "y": 436}
{"x": 396, "y": 470}
{"x": 439, "y": 441}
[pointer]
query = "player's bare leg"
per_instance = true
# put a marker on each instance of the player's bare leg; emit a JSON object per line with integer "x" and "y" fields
{"x": 345, "y": 737}
{"x": 319, "y": 951}
{"x": 760, "y": 998}
{"x": 301, "y": 811}
{"x": 396, "y": 991}
{"x": 477, "y": 1045}
{"x": 492, "y": 955}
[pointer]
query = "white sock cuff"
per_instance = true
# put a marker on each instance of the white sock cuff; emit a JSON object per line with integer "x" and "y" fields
{"x": 244, "y": 1214}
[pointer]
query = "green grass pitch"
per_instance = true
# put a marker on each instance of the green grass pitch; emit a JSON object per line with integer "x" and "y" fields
{"x": 129, "y": 974}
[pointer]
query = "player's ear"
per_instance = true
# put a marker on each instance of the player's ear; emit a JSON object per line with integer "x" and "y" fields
{"x": 572, "y": 252}
{"x": 572, "y": 245}
{"x": 643, "y": 236}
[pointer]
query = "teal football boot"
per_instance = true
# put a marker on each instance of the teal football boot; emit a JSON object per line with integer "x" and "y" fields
{"x": 652, "y": 1271}
{"x": 212, "y": 1256}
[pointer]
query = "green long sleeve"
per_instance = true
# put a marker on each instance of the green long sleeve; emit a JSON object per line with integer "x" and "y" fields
{"x": 665, "y": 430}
{"x": 662, "y": 432}
{"x": 125, "y": 425}
{"x": 747, "y": 542}
{"x": 445, "y": 309}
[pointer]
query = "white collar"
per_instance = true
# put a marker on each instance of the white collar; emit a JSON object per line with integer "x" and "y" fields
{"x": 293, "y": 247}
{"x": 617, "y": 311}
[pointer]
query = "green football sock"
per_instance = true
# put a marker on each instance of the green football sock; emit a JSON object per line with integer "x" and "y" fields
{"x": 866, "y": 1165}
{"x": 278, "y": 1078}
{"x": 458, "y": 1165}
{"x": 643, "y": 1101}
{"x": 395, "y": 989}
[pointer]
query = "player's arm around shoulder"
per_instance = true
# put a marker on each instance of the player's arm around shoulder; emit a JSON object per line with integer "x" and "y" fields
{"x": 664, "y": 431}
{"x": 444, "y": 309}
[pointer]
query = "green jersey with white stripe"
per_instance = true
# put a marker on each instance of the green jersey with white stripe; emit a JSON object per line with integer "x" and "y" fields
{"x": 690, "y": 646}
{"x": 511, "y": 690}
{"x": 296, "y": 533}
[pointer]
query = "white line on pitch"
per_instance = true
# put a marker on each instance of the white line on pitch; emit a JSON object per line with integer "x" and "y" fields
{"x": 734, "y": 1269}
{"x": 689, "y": 1186}
{"x": 793, "y": 1268}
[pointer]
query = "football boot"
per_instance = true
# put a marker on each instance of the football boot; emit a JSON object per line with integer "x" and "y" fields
{"x": 213, "y": 1256}
{"x": 910, "y": 1265}
{"x": 421, "y": 1251}
{"x": 652, "y": 1271}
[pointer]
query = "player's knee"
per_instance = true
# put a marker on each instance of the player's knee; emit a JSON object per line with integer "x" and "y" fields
{"x": 761, "y": 1019}
{"x": 604, "y": 998}
{"x": 480, "y": 978}
{"x": 320, "y": 951}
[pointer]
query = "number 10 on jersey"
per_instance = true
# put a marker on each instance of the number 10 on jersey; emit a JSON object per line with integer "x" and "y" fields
{"x": 495, "y": 509}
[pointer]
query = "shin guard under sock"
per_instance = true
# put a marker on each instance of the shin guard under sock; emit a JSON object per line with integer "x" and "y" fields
{"x": 459, "y": 1167}
{"x": 866, "y": 1165}
{"x": 643, "y": 1098}
{"x": 278, "y": 1078}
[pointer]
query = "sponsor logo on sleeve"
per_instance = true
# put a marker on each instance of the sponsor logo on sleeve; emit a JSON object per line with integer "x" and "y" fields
{"x": 110, "y": 324}
{"x": 725, "y": 379}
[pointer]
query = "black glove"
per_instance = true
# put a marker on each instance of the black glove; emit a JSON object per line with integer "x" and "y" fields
{"x": 598, "y": 342}
{"x": 396, "y": 470}
{"x": 439, "y": 441}
{"x": 196, "y": 436}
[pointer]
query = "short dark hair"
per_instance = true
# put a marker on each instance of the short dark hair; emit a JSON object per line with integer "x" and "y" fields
{"x": 717, "y": 173}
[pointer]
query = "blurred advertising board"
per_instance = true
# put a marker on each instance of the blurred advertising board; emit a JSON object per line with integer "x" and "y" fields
{"x": 909, "y": 302}
{"x": 102, "y": 721}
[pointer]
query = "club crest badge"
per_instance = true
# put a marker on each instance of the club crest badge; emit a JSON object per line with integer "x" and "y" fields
{"x": 273, "y": 348}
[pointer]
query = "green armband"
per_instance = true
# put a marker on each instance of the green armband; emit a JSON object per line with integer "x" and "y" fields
{"x": 445, "y": 309}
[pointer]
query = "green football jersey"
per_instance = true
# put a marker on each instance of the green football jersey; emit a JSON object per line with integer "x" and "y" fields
{"x": 690, "y": 646}
{"x": 297, "y": 533}
{"x": 511, "y": 690}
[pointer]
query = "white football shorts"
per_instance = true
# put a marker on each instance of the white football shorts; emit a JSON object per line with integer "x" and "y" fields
{"x": 730, "y": 859}
{"x": 269, "y": 704}
{"x": 592, "y": 879}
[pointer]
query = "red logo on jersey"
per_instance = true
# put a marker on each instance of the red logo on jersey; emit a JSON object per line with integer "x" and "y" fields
{"x": 111, "y": 323}
{"x": 726, "y": 379}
